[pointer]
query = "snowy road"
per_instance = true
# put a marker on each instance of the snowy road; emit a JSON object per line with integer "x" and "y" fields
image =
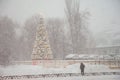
{"x": 103, "y": 77}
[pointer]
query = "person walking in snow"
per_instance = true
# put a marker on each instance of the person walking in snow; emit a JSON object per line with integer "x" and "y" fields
{"x": 82, "y": 66}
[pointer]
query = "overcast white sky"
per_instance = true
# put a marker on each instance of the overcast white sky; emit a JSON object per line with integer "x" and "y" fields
{"x": 105, "y": 14}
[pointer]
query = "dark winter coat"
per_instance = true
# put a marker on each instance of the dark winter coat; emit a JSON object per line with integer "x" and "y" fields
{"x": 82, "y": 66}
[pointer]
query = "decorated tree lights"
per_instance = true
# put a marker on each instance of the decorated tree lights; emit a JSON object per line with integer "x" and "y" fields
{"x": 41, "y": 49}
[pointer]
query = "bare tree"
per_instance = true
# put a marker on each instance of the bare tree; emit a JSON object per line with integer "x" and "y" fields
{"x": 29, "y": 35}
{"x": 6, "y": 40}
{"x": 55, "y": 28}
{"x": 77, "y": 24}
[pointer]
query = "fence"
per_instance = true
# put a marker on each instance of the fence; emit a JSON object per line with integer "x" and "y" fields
{"x": 64, "y": 63}
{"x": 55, "y": 75}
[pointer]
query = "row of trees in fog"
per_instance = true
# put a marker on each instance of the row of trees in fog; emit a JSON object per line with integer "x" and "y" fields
{"x": 66, "y": 36}
{"x": 16, "y": 41}
{"x": 69, "y": 35}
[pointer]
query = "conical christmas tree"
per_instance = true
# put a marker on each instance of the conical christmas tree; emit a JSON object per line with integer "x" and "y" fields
{"x": 41, "y": 49}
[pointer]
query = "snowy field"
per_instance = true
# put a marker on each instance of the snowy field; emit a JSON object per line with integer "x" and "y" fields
{"x": 102, "y": 77}
{"x": 90, "y": 78}
{"x": 35, "y": 69}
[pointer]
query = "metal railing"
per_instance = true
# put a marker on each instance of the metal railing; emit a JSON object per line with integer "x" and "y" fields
{"x": 56, "y": 75}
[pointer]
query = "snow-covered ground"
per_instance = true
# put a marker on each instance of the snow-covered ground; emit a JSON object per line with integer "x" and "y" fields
{"x": 36, "y": 69}
{"x": 103, "y": 77}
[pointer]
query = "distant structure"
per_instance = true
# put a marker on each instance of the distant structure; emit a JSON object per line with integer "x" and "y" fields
{"x": 41, "y": 49}
{"x": 101, "y": 50}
